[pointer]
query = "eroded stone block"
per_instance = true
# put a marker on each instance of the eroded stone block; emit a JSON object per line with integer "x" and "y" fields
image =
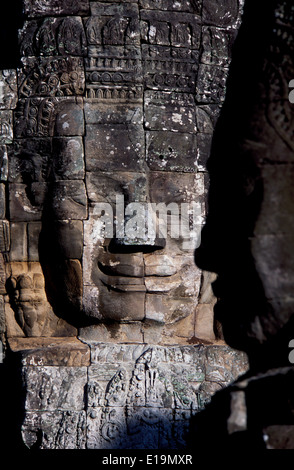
{"x": 206, "y": 117}
{"x": 55, "y": 7}
{"x": 211, "y": 84}
{"x": 51, "y": 76}
{"x": 3, "y": 163}
{"x": 26, "y": 203}
{"x": 167, "y": 112}
{"x": 168, "y": 151}
{"x": 69, "y": 234}
{"x": 59, "y": 388}
{"x": 113, "y": 24}
{"x": 221, "y": 14}
{"x": 30, "y": 160}
{"x": 117, "y": 147}
{"x": 217, "y": 46}
{"x": 59, "y": 429}
{"x": 69, "y": 200}
{"x": 68, "y": 158}
{"x": 6, "y": 127}
{"x": 8, "y": 89}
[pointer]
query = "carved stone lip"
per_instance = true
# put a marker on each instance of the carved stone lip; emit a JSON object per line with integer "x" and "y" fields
{"x": 128, "y": 283}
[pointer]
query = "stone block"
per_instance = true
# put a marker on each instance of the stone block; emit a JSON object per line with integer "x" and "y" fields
{"x": 26, "y": 202}
{"x": 2, "y": 276}
{"x": 6, "y": 127}
{"x": 113, "y": 333}
{"x": 206, "y": 117}
{"x": 99, "y": 112}
{"x": 3, "y": 163}
{"x": 69, "y": 234}
{"x": 170, "y": 69}
{"x": 166, "y": 151}
{"x": 118, "y": 306}
{"x": 29, "y": 160}
{"x": 33, "y": 234}
{"x": 51, "y": 76}
{"x": 59, "y": 429}
{"x": 224, "y": 15}
{"x": 69, "y": 200}
{"x": 53, "y": 37}
{"x": 107, "y": 186}
{"x": 113, "y": 24}
{"x": 69, "y": 352}
{"x": 2, "y": 201}
{"x": 47, "y": 117}
{"x": 211, "y": 84}
{"x": 119, "y": 147}
{"x": 176, "y": 187}
{"x": 69, "y": 117}
{"x": 193, "y": 6}
{"x": 19, "y": 241}
{"x": 224, "y": 364}
{"x": 170, "y": 29}
{"x": 8, "y": 89}
{"x": 46, "y": 390}
{"x": 204, "y": 322}
{"x": 68, "y": 158}
{"x": 217, "y": 46}
{"x": 165, "y": 112}
{"x": 55, "y": 7}
{"x": 4, "y": 236}
{"x": 204, "y": 142}
{"x": 35, "y": 117}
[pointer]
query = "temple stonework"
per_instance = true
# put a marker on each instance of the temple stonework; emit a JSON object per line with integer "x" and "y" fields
{"x": 113, "y": 109}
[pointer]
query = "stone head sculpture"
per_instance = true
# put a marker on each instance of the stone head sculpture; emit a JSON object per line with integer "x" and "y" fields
{"x": 107, "y": 177}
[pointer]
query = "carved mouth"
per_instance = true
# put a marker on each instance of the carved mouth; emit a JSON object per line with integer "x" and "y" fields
{"x": 133, "y": 274}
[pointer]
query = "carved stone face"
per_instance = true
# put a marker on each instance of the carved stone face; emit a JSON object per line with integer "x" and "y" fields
{"x": 107, "y": 111}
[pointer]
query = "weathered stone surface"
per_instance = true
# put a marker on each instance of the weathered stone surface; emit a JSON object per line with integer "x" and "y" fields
{"x": 19, "y": 243}
{"x": 191, "y": 6}
{"x": 170, "y": 29}
{"x": 59, "y": 429}
{"x": 29, "y": 160}
{"x": 69, "y": 352}
{"x": 53, "y": 36}
{"x": 117, "y": 147}
{"x": 51, "y": 76}
{"x": 69, "y": 118}
{"x": 59, "y": 388}
{"x": 204, "y": 322}
{"x": 113, "y": 24}
{"x": 8, "y": 89}
{"x": 217, "y": 46}
{"x": 100, "y": 112}
{"x": 69, "y": 234}
{"x": 167, "y": 112}
{"x": 169, "y": 152}
{"x": 106, "y": 186}
{"x": 69, "y": 200}
{"x": 211, "y": 84}
{"x": 112, "y": 333}
{"x": 6, "y": 127}
{"x": 34, "y": 117}
{"x": 55, "y": 7}
{"x": 3, "y": 163}
{"x": 26, "y": 202}
{"x": 68, "y": 158}
{"x": 31, "y": 313}
{"x": 33, "y": 230}
{"x": 203, "y": 152}
{"x": 206, "y": 117}
{"x": 4, "y": 236}
{"x": 2, "y": 201}
{"x": 222, "y": 14}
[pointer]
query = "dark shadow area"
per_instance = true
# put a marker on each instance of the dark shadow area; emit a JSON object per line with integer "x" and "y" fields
{"x": 236, "y": 190}
{"x": 236, "y": 195}
{"x": 11, "y": 19}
